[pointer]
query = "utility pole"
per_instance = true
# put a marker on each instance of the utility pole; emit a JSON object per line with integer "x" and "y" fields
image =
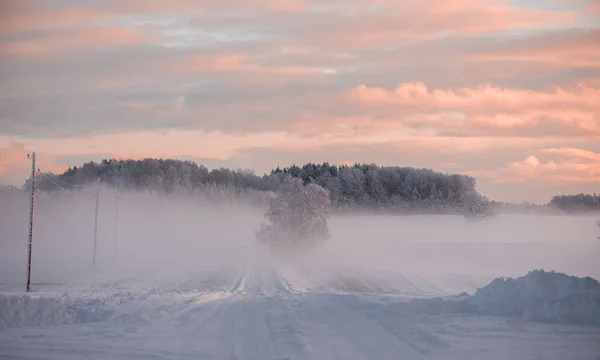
{"x": 96, "y": 220}
{"x": 31, "y": 220}
{"x": 117, "y": 222}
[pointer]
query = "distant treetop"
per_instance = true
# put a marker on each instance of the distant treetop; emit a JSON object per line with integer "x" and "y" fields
{"x": 576, "y": 203}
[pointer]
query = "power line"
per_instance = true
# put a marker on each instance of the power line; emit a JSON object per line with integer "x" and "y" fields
{"x": 51, "y": 179}
{"x": 68, "y": 184}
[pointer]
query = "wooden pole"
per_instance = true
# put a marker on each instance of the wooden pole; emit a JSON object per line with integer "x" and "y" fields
{"x": 96, "y": 220}
{"x": 117, "y": 222}
{"x": 31, "y": 221}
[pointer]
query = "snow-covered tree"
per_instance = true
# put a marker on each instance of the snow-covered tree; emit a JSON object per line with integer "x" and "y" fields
{"x": 297, "y": 216}
{"x": 476, "y": 206}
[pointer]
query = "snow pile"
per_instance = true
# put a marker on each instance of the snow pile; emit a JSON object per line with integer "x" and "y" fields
{"x": 25, "y": 310}
{"x": 541, "y": 296}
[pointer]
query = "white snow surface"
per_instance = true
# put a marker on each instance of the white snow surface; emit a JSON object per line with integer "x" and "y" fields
{"x": 257, "y": 311}
{"x": 188, "y": 282}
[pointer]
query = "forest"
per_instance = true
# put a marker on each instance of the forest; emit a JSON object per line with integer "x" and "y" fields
{"x": 361, "y": 186}
{"x": 579, "y": 203}
{"x": 350, "y": 187}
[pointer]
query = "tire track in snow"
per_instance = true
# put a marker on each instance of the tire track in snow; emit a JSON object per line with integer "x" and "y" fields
{"x": 337, "y": 331}
{"x": 238, "y": 284}
{"x": 437, "y": 291}
{"x": 420, "y": 291}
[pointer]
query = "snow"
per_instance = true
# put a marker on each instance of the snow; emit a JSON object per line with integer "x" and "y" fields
{"x": 255, "y": 311}
{"x": 542, "y": 296}
{"x": 192, "y": 284}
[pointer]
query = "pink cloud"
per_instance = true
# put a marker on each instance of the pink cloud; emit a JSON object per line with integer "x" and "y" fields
{"x": 209, "y": 62}
{"x": 574, "y": 165}
{"x": 590, "y": 6}
{"x": 481, "y": 97}
{"x": 17, "y": 15}
{"x": 574, "y": 48}
{"x": 23, "y": 15}
{"x": 574, "y": 153}
{"x": 344, "y": 25}
{"x": 449, "y": 164}
{"x": 485, "y": 110}
{"x": 72, "y": 40}
{"x": 406, "y": 23}
{"x": 228, "y": 62}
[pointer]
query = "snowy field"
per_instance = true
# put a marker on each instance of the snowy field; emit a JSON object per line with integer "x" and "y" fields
{"x": 188, "y": 282}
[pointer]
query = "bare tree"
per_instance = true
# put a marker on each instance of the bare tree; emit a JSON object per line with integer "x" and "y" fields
{"x": 297, "y": 216}
{"x": 476, "y": 206}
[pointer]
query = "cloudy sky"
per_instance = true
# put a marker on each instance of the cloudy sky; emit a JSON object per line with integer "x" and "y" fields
{"x": 506, "y": 91}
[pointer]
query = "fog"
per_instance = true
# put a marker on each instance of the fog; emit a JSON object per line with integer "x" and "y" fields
{"x": 177, "y": 234}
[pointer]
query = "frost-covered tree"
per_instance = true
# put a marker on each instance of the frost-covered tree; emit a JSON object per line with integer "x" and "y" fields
{"x": 297, "y": 216}
{"x": 475, "y": 206}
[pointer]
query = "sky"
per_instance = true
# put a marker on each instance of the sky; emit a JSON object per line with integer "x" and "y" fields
{"x": 505, "y": 91}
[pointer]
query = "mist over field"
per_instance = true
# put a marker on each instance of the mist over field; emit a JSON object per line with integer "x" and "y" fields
{"x": 189, "y": 269}
{"x": 179, "y": 233}
{"x": 154, "y": 231}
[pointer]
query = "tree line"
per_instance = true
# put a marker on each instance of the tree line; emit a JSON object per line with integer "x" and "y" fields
{"x": 359, "y": 186}
{"x": 579, "y": 203}
{"x": 350, "y": 187}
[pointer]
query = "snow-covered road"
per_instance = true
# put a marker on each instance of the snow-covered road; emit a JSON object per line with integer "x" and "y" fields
{"x": 263, "y": 312}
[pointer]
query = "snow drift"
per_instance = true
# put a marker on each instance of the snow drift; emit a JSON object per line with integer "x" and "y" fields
{"x": 541, "y": 296}
{"x": 538, "y": 296}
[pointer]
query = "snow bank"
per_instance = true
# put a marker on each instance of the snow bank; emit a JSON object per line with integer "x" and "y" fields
{"x": 541, "y": 296}
{"x": 25, "y": 310}
{"x": 538, "y": 296}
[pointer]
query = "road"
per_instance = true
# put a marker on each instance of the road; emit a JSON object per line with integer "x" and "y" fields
{"x": 263, "y": 312}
